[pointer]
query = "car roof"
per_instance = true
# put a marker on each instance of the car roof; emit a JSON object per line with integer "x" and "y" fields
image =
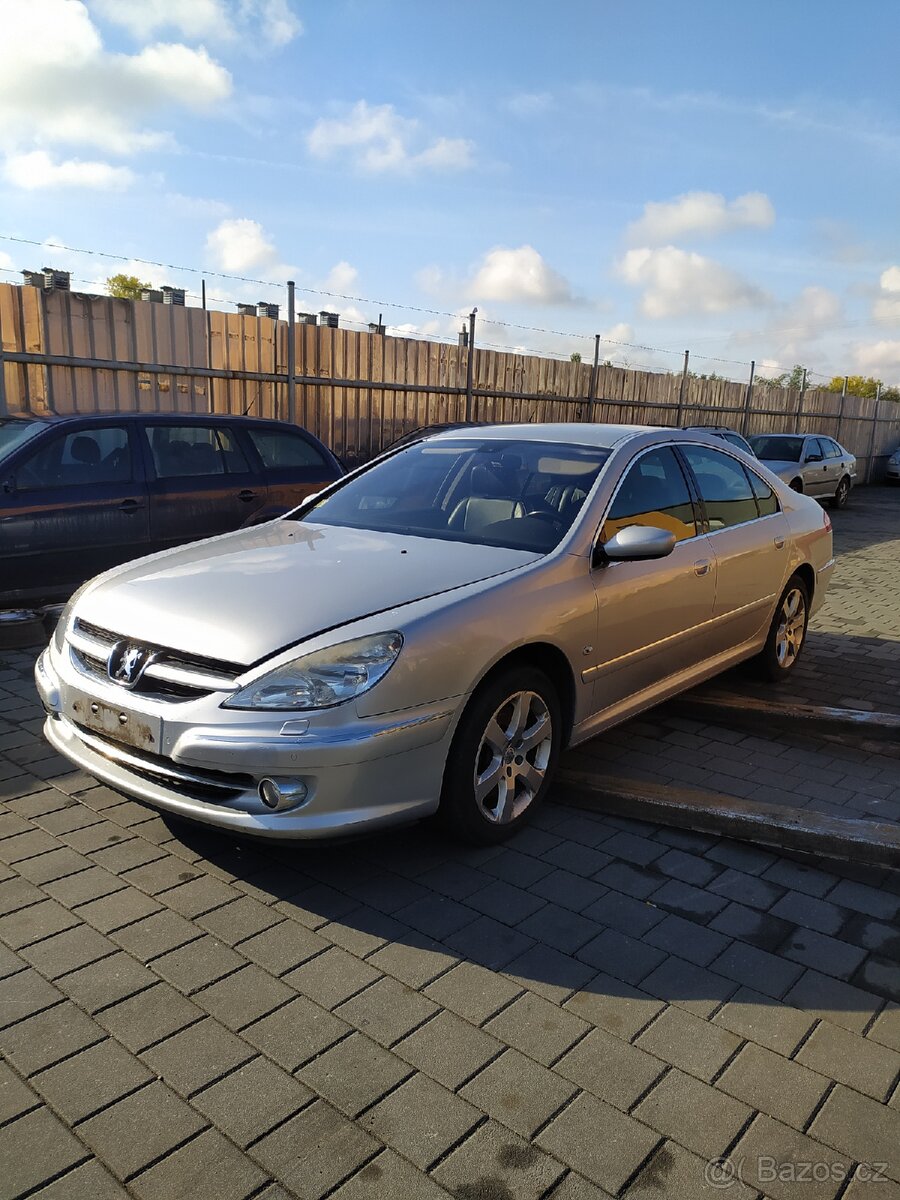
{"x": 579, "y": 433}
{"x": 185, "y": 418}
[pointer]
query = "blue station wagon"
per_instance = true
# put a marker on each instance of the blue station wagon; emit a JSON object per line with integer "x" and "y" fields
{"x": 81, "y": 494}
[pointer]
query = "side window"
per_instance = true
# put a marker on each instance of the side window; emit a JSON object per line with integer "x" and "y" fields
{"x": 832, "y": 449}
{"x": 813, "y": 447}
{"x": 235, "y": 459}
{"x": 183, "y": 450}
{"x": 653, "y": 492}
{"x": 736, "y": 440}
{"x": 99, "y": 454}
{"x": 724, "y": 486}
{"x": 277, "y": 449}
{"x": 766, "y": 500}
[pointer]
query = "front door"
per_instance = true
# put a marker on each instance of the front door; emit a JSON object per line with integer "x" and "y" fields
{"x": 651, "y": 615}
{"x": 202, "y": 484}
{"x": 78, "y": 506}
{"x": 815, "y": 472}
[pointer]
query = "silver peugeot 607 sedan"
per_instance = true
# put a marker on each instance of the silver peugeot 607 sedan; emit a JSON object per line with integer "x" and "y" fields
{"x": 428, "y": 633}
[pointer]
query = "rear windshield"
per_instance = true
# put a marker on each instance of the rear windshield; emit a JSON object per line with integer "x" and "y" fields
{"x": 780, "y": 449}
{"x": 521, "y": 495}
{"x": 14, "y": 433}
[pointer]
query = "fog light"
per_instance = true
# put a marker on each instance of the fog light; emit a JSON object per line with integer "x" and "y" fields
{"x": 283, "y": 793}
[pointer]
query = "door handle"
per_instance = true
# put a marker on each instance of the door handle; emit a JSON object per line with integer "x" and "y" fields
{"x": 247, "y": 495}
{"x": 701, "y": 566}
{"x": 130, "y": 506}
{"x": 779, "y": 542}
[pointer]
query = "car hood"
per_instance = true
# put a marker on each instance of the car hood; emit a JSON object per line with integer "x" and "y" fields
{"x": 245, "y": 595}
{"x": 780, "y": 466}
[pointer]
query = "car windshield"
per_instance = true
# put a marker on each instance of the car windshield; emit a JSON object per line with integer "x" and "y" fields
{"x": 777, "y": 449}
{"x": 15, "y": 432}
{"x": 523, "y": 495}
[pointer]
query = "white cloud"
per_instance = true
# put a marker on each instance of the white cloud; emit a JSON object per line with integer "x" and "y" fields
{"x": 529, "y": 104}
{"x": 238, "y": 245}
{"x": 58, "y": 85}
{"x": 886, "y": 306}
{"x": 38, "y": 170}
{"x": 378, "y": 139}
{"x": 677, "y": 282}
{"x": 216, "y": 20}
{"x": 881, "y": 359}
{"x": 519, "y": 275}
{"x": 704, "y": 214}
{"x": 890, "y": 279}
{"x": 342, "y": 278}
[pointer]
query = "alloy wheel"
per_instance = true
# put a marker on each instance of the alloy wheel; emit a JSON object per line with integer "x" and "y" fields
{"x": 513, "y": 755}
{"x": 791, "y": 628}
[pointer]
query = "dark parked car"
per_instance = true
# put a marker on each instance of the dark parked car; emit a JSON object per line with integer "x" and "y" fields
{"x": 81, "y": 494}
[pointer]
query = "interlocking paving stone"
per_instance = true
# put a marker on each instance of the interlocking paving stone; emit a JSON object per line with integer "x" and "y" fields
{"x": 389, "y": 1177}
{"x": 835, "y": 1001}
{"x": 90, "y": 1080}
{"x": 448, "y": 1049}
{"x": 815, "y": 949}
{"x": 137, "y": 1130}
{"x": 90, "y": 1181}
{"x": 281, "y": 947}
{"x": 15, "y": 1096}
{"x": 197, "y": 964}
{"x": 765, "y": 1021}
{"x": 387, "y": 1011}
{"x": 886, "y": 1029}
{"x": 615, "y": 1006}
{"x": 611, "y": 1069}
{"x": 252, "y": 1100}
{"x": 244, "y": 996}
{"x": 58, "y": 1149}
{"x": 779, "y": 1160}
{"x": 686, "y": 1041}
{"x": 859, "y": 1062}
{"x": 421, "y": 1120}
{"x": 207, "y": 1166}
{"x": 472, "y": 991}
{"x": 861, "y": 1128}
{"x": 47, "y": 1037}
{"x": 758, "y": 969}
{"x": 777, "y": 1086}
{"x": 197, "y": 1056}
{"x": 355, "y": 1073}
{"x": 106, "y": 981}
{"x": 518, "y": 1093}
{"x": 538, "y": 1028}
{"x": 24, "y": 994}
{"x": 489, "y": 942}
{"x": 315, "y": 1150}
{"x": 597, "y": 1140}
{"x": 674, "y": 1171}
{"x": 550, "y": 973}
{"x": 294, "y": 1034}
{"x": 31, "y": 924}
{"x": 493, "y": 1162}
{"x": 332, "y": 977}
{"x": 121, "y": 908}
{"x": 69, "y": 950}
{"x": 693, "y": 1114}
{"x": 155, "y": 935}
{"x": 622, "y": 956}
{"x": 149, "y": 1016}
{"x": 687, "y": 939}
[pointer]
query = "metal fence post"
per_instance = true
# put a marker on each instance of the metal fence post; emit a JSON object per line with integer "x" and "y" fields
{"x": 841, "y": 409}
{"x": 745, "y": 420}
{"x": 470, "y": 362}
{"x": 291, "y": 358}
{"x": 870, "y": 466}
{"x": 682, "y": 388}
{"x": 592, "y": 386}
{"x": 4, "y": 411}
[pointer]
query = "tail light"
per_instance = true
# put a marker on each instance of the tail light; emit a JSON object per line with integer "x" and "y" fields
{"x": 826, "y": 520}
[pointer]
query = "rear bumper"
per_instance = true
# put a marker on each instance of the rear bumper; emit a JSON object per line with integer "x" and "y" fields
{"x": 363, "y": 774}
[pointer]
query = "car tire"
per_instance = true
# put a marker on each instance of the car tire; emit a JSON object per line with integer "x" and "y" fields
{"x": 796, "y": 485}
{"x": 787, "y": 633}
{"x": 490, "y": 790}
{"x": 841, "y": 496}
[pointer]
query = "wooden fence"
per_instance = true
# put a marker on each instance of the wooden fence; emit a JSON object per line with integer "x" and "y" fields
{"x": 63, "y": 352}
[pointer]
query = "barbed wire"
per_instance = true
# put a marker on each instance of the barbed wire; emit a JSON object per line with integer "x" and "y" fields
{"x": 435, "y": 312}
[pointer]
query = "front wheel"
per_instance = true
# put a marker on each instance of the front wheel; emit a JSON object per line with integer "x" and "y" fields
{"x": 503, "y": 756}
{"x": 787, "y": 633}
{"x": 840, "y": 497}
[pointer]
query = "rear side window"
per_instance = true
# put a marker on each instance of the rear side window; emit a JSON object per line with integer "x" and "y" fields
{"x": 737, "y": 440}
{"x": 724, "y": 487}
{"x": 96, "y": 455}
{"x": 832, "y": 449}
{"x": 278, "y": 448}
{"x": 766, "y": 500}
{"x": 653, "y": 492}
{"x": 181, "y": 451}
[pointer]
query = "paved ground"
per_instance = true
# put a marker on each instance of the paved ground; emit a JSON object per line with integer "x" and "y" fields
{"x": 600, "y": 1008}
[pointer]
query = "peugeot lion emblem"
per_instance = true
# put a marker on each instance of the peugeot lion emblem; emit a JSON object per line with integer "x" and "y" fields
{"x": 126, "y": 664}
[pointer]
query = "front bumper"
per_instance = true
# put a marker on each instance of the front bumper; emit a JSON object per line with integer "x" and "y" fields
{"x": 893, "y": 470}
{"x": 359, "y": 772}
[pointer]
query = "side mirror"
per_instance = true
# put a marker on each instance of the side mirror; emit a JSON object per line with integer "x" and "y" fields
{"x": 9, "y": 486}
{"x": 814, "y": 458}
{"x": 638, "y": 543}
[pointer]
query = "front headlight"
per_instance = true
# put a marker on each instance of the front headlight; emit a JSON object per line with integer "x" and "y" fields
{"x": 325, "y": 677}
{"x": 59, "y": 633}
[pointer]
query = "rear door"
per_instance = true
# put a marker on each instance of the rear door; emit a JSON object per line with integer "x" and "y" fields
{"x": 835, "y": 461}
{"x": 293, "y": 464}
{"x": 201, "y": 483}
{"x": 78, "y": 506}
{"x": 652, "y": 616}
{"x": 749, "y": 536}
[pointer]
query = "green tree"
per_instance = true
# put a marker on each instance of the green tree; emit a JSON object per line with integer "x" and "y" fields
{"x": 857, "y": 385}
{"x": 787, "y": 379}
{"x": 125, "y": 287}
{"x": 574, "y": 356}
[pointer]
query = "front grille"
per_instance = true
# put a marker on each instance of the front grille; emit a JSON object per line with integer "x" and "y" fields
{"x": 200, "y": 783}
{"x": 170, "y": 675}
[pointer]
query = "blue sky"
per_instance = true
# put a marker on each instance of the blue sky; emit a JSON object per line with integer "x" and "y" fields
{"x": 711, "y": 176}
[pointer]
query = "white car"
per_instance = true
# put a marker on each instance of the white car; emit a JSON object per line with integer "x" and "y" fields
{"x": 893, "y": 467}
{"x": 813, "y": 464}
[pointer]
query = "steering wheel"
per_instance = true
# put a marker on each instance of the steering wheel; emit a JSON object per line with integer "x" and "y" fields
{"x": 545, "y": 514}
